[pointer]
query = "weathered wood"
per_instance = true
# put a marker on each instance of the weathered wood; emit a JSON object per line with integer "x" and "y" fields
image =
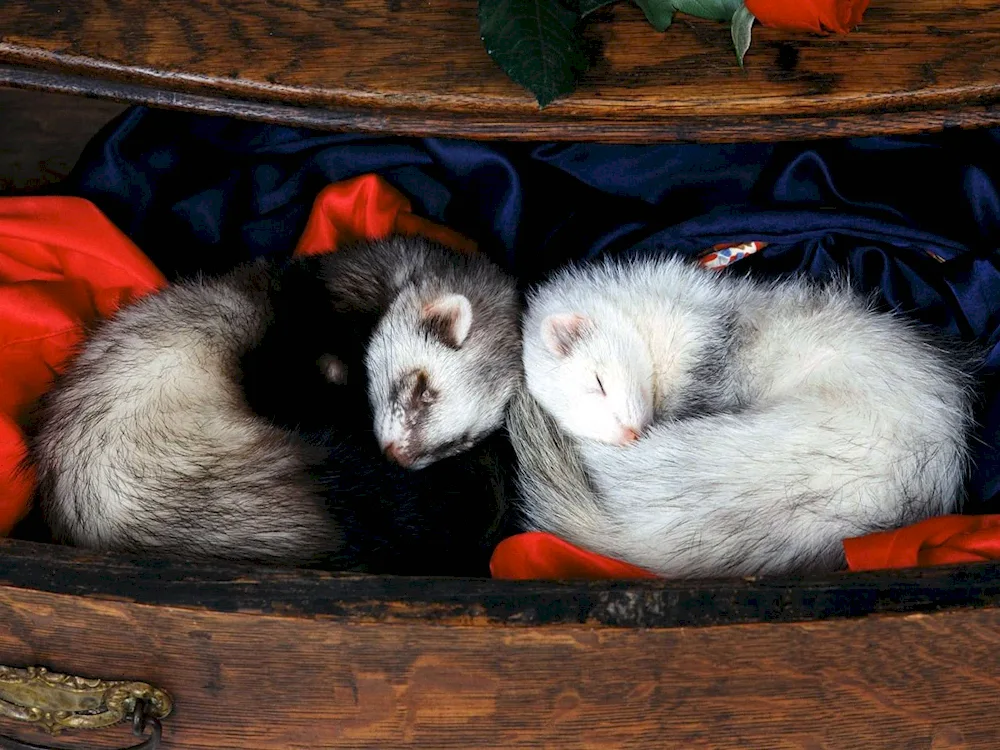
{"x": 457, "y": 601}
{"x": 419, "y": 68}
{"x": 243, "y": 681}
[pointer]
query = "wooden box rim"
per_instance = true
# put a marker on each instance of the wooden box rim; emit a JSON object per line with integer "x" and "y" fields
{"x": 657, "y": 604}
{"x": 911, "y": 66}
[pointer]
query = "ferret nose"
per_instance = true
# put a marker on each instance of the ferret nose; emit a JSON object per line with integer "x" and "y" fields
{"x": 629, "y": 435}
{"x": 397, "y": 455}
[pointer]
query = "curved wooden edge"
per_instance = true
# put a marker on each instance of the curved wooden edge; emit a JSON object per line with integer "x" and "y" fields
{"x": 912, "y": 66}
{"x": 315, "y": 594}
{"x": 263, "y": 682}
{"x": 616, "y": 130}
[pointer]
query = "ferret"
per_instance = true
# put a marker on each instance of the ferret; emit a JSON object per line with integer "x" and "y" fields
{"x": 431, "y": 333}
{"x": 699, "y": 424}
{"x": 267, "y": 415}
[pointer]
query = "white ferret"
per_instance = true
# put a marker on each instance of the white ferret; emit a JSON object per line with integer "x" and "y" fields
{"x": 695, "y": 423}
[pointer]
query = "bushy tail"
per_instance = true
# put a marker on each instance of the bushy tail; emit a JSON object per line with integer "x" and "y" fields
{"x": 551, "y": 477}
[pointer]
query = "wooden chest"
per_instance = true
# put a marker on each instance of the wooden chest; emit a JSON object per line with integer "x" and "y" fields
{"x": 276, "y": 659}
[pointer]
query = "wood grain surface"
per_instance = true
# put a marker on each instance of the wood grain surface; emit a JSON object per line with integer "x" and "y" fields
{"x": 418, "y": 67}
{"x": 242, "y": 681}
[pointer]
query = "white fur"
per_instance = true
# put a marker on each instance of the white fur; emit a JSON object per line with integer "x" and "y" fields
{"x": 457, "y": 402}
{"x": 444, "y": 359}
{"x": 148, "y": 444}
{"x": 827, "y": 420}
{"x": 638, "y": 334}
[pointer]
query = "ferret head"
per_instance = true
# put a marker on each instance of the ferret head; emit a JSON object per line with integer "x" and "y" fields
{"x": 440, "y": 376}
{"x": 595, "y": 377}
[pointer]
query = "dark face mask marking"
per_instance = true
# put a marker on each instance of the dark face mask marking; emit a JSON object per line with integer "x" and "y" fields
{"x": 421, "y": 396}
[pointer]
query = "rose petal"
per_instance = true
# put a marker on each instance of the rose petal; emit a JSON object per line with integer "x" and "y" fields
{"x": 818, "y": 16}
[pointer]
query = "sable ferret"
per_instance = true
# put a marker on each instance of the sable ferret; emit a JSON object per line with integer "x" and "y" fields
{"x": 699, "y": 424}
{"x": 245, "y": 417}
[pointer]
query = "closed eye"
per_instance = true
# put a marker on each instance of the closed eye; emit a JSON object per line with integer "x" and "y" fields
{"x": 600, "y": 385}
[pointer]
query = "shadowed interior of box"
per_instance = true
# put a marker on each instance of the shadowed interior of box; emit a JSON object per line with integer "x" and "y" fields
{"x": 42, "y": 135}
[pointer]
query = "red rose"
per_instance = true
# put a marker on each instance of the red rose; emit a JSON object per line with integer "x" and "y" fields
{"x": 809, "y": 15}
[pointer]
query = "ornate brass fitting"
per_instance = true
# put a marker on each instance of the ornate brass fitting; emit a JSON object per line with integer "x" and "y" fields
{"x": 56, "y": 701}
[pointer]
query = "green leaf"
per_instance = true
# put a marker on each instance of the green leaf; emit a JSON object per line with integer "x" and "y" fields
{"x": 716, "y": 10}
{"x": 742, "y": 27}
{"x": 660, "y": 13}
{"x": 535, "y": 42}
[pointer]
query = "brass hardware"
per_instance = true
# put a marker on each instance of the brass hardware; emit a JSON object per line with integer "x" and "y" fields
{"x": 56, "y": 701}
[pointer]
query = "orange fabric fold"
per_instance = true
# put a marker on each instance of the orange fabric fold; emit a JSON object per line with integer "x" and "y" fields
{"x": 368, "y": 207}
{"x": 538, "y": 554}
{"x": 936, "y": 541}
{"x": 62, "y": 265}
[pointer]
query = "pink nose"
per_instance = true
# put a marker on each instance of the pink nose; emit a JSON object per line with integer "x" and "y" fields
{"x": 397, "y": 455}
{"x": 629, "y": 435}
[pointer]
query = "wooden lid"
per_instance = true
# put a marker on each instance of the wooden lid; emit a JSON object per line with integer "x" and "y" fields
{"x": 418, "y": 67}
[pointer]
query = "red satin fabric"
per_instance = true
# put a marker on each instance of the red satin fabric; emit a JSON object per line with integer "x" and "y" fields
{"x": 537, "y": 554}
{"x": 63, "y": 265}
{"x": 936, "y": 541}
{"x": 367, "y": 207}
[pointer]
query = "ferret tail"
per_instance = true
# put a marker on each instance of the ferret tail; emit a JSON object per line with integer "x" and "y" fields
{"x": 551, "y": 478}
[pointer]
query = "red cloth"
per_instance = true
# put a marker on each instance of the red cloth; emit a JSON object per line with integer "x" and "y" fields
{"x": 63, "y": 265}
{"x": 537, "y": 554}
{"x": 367, "y": 207}
{"x": 936, "y": 541}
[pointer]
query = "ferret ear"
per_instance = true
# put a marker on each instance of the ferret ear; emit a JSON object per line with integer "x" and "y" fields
{"x": 333, "y": 368}
{"x": 562, "y": 331}
{"x": 449, "y": 318}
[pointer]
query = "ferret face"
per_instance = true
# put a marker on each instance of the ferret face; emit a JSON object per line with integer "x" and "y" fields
{"x": 435, "y": 393}
{"x": 596, "y": 381}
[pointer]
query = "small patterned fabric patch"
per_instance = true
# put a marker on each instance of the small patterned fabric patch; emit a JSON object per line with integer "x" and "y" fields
{"x": 721, "y": 256}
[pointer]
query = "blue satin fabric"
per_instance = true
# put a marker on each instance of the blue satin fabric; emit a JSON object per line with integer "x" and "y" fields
{"x": 916, "y": 218}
